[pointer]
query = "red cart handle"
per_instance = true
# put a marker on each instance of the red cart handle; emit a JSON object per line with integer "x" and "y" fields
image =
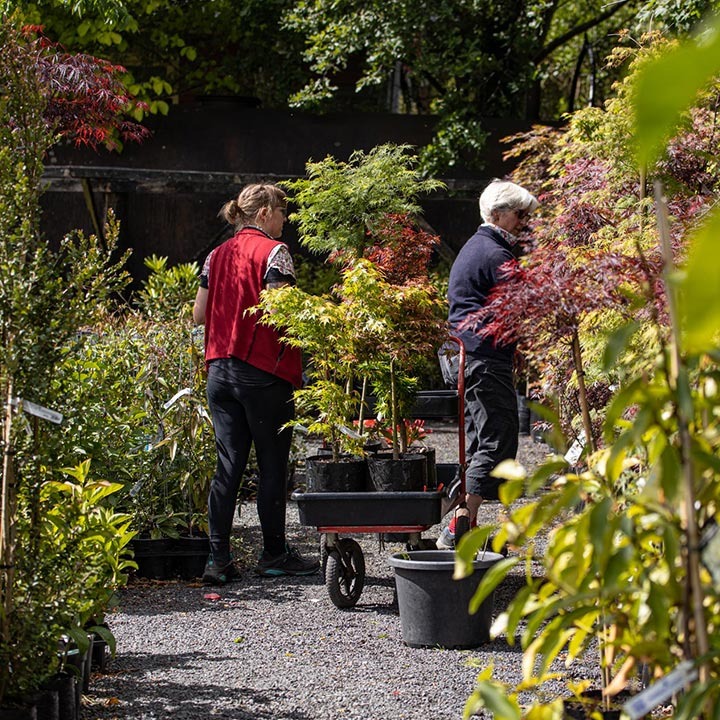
{"x": 461, "y": 409}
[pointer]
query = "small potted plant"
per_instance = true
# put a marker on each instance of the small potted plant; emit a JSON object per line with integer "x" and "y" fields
{"x": 328, "y": 403}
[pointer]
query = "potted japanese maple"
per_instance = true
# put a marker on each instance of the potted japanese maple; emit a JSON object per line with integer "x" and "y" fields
{"x": 362, "y": 215}
{"x": 405, "y": 327}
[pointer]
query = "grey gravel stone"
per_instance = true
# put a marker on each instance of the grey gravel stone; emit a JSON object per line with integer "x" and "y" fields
{"x": 278, "y": 648}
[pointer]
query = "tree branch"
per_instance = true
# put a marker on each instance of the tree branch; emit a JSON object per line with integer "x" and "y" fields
{"x": 578, "y": 30}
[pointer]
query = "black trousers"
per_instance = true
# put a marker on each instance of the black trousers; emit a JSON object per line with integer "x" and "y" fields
{"x": 491, "y": 423}
{"x": 248, "y": 406}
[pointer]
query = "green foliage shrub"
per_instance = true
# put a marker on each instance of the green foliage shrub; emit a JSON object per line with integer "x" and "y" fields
{"x": 132, "y": 390}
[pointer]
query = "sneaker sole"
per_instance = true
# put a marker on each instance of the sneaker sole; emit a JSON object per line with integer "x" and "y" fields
{"x": 273, "y": 572}
{"x": 219, "y": 580}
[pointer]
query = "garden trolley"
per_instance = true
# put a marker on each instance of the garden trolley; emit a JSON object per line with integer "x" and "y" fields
{"x": 336, "y": 514}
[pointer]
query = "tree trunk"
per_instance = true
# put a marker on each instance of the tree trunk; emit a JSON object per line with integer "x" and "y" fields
{"x": 7, "y": 540}
{"x": 678, "y": 381}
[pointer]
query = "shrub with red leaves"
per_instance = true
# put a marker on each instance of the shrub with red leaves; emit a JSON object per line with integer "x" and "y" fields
{"x": 86, "y": 99}
{"x": 596, "y": 244}
{"x": 540, "y": 303}
{"x": 401, "y": 251}
{"x": 542, "y": 300}
{"x": 690, "y": 156}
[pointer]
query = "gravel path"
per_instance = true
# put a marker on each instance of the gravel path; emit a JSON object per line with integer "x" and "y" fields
{"x": 278, "y": 648}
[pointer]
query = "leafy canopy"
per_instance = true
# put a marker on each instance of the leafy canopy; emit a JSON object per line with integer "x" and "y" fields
{"x": 171, "y": 50}
{"x": 341, "y": 204}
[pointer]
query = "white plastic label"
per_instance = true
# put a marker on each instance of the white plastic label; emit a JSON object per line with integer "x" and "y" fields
{"x": 659, "y": 692}
{"x": 350, "y": 432}
{"x": 176, "y": 397}
{"x": 575, "y": 451}
{"x": 42, "y": 412}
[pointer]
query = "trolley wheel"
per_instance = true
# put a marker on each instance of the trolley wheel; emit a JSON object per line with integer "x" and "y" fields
{"x": 345, "y": 573}
{"x": 323, "y": 554}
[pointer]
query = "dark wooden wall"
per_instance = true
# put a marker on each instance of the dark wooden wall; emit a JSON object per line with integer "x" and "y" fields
{"x": 167, "y": 191}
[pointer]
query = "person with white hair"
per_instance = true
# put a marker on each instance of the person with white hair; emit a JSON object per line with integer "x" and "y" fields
{"x": 491, "y": 412}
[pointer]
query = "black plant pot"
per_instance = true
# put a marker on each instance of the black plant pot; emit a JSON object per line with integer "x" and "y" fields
{"x": 99, "y": 649}
{"x": 435, "y": 404}
{"x": 99, "y": 655}
{"x": 189, "y": 555}
{"x": 47, "y": 704}
{"x": 434, "y": 606}
{"x": 372, "y": 446}
{"x": 87, "y": 665}
{"x": 347, "y": 474}
{"x": 168, "y": 558}
{"x": 77, "y": 664}
{"x": 64, "y": 684}
{"x": 590, "y": 704}
{"x": 406, "y": 473}
{"x": 152, "y": 556}
{"x": 429, "y": 453}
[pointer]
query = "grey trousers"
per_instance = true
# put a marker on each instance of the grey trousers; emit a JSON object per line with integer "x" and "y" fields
{"x": 491, "y": 423}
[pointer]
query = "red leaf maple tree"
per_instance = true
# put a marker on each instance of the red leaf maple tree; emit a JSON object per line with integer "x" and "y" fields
{"x": 542, "y": 300}
{"x": 86, "y": 101}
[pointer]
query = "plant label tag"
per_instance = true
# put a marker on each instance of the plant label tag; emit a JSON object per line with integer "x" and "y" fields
{"x": 350, "y": 432}
{"x": 575, "y": 451}
{"x": 176, "y": 397}
{"x": 659, "y": 692}
{"x": 39, "y": 411}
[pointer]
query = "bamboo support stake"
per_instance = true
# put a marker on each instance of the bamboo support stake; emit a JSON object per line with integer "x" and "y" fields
{"x": 393, "y": 412}
{"x": 7, "y": 540}
{"x": 677, "y": 378}
{"x": 361, "y": 411}
{"x": 6, "y": 476}
{"x": 582, "y": 391}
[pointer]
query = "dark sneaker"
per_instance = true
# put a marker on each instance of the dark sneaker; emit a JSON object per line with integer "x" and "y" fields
{"x": 219, "y": 575}
{"x": 291, "y": 562}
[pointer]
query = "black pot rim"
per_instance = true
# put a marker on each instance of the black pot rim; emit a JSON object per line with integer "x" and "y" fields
{"x": 438, "y": 560}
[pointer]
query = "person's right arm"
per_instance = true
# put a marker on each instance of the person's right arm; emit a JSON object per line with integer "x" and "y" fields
{"x": 199, "y": 306}
{"x": 281, "y": 269}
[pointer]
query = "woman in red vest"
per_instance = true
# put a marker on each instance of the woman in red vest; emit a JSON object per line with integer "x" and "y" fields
{"x": 251, "y": 376}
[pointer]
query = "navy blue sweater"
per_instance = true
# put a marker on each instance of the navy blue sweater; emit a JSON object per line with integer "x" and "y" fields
{"x": 473, "y": 275}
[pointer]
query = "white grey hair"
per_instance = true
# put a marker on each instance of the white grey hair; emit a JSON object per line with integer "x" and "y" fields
{"x": 501, "y": 195}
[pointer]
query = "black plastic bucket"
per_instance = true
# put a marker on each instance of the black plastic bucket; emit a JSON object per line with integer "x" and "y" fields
{"x": 434, "y": 607}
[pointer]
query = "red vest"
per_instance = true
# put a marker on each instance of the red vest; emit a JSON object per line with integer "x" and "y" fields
{"x": 237, "y": 269}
